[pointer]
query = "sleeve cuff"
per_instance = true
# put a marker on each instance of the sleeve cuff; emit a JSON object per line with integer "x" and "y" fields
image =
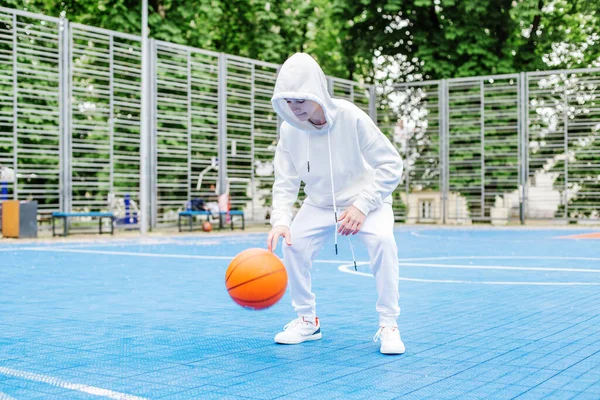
{"x": 362, "y": 205}
{"x": 280, "y": 221}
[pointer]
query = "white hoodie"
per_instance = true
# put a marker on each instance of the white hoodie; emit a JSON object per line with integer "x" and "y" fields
{"x": 347, "y": 162}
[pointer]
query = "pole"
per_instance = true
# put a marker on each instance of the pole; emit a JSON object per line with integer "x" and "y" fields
{"x": 145, "y": 126}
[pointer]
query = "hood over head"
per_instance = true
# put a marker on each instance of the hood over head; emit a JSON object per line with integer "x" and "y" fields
{"x": 300, "y": 77}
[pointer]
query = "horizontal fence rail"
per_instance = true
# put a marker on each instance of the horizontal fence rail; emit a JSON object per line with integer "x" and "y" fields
{"x": 499, "y": 149}
{"x": 70, "y": 112}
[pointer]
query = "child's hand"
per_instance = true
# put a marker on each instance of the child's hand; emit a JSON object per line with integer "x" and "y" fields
{"x": 351, "y": 221}
{"x": 273, "y": 237}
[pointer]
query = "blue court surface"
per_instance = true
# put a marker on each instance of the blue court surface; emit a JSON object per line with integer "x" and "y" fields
{"x": 486, "y": 314}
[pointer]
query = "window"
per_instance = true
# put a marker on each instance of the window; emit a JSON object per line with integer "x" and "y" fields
{"x": 426, "y": 210}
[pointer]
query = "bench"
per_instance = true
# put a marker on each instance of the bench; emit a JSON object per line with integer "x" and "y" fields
{"x": 222, "y": 217}
{"x": 232, "y": 213}
{"x": 190, "y": 215}
{"x": 64, "y": 216}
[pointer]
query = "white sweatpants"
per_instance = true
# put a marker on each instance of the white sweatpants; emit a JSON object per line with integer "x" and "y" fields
{"x": 311, "y": 228}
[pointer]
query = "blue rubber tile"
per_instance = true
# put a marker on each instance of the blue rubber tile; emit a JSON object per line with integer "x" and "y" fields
{"x": 443, "y": 369}
{"x": 367, "y": 393}
{"x": 586, "y": 396}
{"x": 46, "y": 388}
{"x": 482, "y": 355}
{"x": 188, "y": 377}
{"x": 447, "y": 389}
{"x": 594, "y": 388}
{"x": 542, "y": 377}
{"x": 536, "y": 394}
{"x": 203, "y": 392}
{"x": 141, "y": 388}
{"x": 24, "y": 366}
{"x": 578, "y": 385}
{"x": 18, "y": 392}
{"x": 262, "y": 390}
{"x": 404, "y": 383}
{"x": 71, "y": 395}
{"x": 115, "y": 348}
{"x": 319, "y": 392}
{"x": 563, "y": 394}
{"x": 485, "y": 373}
{"x": 488, "y": 390}
{"x": 165, "y": 321}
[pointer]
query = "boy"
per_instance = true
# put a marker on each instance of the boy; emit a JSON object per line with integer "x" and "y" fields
{"x": 350, "y": 170}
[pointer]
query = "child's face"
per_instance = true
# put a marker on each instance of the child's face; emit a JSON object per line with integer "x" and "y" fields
{"x": 303, "y": 109}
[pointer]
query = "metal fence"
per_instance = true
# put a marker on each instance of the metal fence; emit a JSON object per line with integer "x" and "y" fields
{"x": 31, "y": 61}
{"x": 498, "y": 148}
{"x": 104, "y": 117}
{"x": 70, "y": 105}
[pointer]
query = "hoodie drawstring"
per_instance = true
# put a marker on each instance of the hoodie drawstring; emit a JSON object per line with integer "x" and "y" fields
{"x": 332, "y": 189}
{"x": 352, "y": 250}
{"x": 335, "y": 210}
{"x": 308, "y": 153}
{"x": 334, "y": 205}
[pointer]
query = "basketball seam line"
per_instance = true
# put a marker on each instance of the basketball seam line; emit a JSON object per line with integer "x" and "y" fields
{"x": 238, "y": 264}
{"x": 259, "y": 301}
{"x": 254, "y": 279}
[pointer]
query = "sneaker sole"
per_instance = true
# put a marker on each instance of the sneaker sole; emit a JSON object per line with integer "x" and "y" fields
{"x": 304, "y": 339}
{"x": 392, "y": 351}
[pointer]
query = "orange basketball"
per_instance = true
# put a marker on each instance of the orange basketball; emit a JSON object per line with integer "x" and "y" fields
{"x": 206, "y": 226}
{"x": 256, "y": 279}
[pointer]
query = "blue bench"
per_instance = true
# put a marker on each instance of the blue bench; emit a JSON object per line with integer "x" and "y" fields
{"x": 190, "y": 215}
{"x": 222, "y": 215}
{"x": 233, "y": 213}
{"x": 64, "y": 216}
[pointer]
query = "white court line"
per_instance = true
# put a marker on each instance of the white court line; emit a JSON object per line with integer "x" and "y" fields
{"x": 96, "y": 391}
{"x": 128, "y": 253}
{"x": 142, "y": 239}
{"x": 500, "y": 267}
{"x": 479, "y": 239}
{"x": 349, "y": 269}
{"x": 4, "y": 396}
{"x": 502, "y": 257}
{"x": 402, "y": 261}
{"x": 346, "y": 267}
{"x": 157, "y": 255}
{"x": 15, "y": 248}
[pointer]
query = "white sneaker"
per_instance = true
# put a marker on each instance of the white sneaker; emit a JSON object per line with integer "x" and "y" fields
{"x": 389, "y": 337}
{"x": 299, "y": 330}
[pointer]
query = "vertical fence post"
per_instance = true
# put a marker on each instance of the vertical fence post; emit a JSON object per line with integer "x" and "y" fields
{"x": 63, "y": 108}
{"x": 189, "y": 126}
{"x": 441, "y": 151}
{"x": 443, "y": 131}
{"x": 522, "y": 134}
{"x": 222, "y": 123}
{"x": 566, "y": 150}
{"x": 482, "y": 143}
{"x": 68, "y": 115}
{"x": 526, "y": 145}
{"x": 407, "y": 167}
{"x": 373, "y": 103}
{"x": 111, "y": 112}
{"x": 252, "y": 141}
{"x": 15, "y": 93}
{"x": 153, "y": 142}
{"x": 145, "y": 150}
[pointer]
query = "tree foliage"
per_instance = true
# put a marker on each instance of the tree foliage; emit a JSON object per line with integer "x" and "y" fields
{"x": 391, "y": 41}
{"x": 440, "y": 38}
